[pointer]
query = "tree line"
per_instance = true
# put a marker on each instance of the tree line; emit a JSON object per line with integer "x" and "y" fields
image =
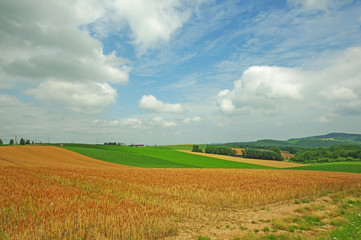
{"x": 215, "y": 150}
{"x": 21, "y": 142}
{"x": 339, "y": 153}
{"x": 273, "y": 153}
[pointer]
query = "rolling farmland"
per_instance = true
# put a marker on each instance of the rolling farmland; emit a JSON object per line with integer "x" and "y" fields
{"x": 156, "y": 157}
{"x": 100, "y": 200}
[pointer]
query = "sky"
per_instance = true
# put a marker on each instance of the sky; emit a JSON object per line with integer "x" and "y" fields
{"x": 178, "y": 71}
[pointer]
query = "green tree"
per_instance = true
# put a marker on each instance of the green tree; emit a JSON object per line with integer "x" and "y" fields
{"x": 11, "y": 142}
{"x": 220, "y": 150}
{"x": 196, "y": 148}
{"x": 22, "y": 141}
{"x": 275, "y": 149}
{"x": 261, "y": 154}
{"x": 1, "y": 142}
{"x": 331, "y": 154}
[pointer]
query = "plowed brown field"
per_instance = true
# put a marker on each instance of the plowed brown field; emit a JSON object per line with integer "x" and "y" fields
{"x": 48, "y": 156}
{"x": 268, "y": 163}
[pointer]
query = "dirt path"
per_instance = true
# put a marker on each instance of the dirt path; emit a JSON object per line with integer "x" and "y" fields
{"x": 48, "y": 156}
{"x": 268, "y": 163}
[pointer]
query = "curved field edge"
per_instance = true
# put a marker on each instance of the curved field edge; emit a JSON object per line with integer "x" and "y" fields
{"x": 350, "y": 167}
{"x": 155, "y": 157}
{"x": 48, "y": 156}
{"x": 268, "y": 163}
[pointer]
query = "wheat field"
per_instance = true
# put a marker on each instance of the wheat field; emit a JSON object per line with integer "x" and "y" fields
{"x": 48, "y": 202}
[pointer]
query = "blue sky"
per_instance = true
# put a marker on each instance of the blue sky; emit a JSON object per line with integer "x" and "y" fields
{"x": 168, "y": 72}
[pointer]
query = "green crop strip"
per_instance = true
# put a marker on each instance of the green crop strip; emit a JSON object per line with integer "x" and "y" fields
{"x": 154, "y": 157}
{"x": 351, "y": 167}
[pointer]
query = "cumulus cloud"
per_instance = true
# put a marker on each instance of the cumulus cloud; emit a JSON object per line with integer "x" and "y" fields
{"x": 89, "y": 98}
{"x": 264, "y": 88}
{"x": 192, "y": 120}
{"x": 321, "y": 119}
{"x": 38, "y": 122}
{"x": 132, "y": 123}
{"x": 332, "y": 81}
{"x": 152, "y": 104}
{"x": 345, "y": 100}
{"x": 152, "y": 22}
{"x": 159, "y": 121}
{"x": 341, "y": 81}
{"x": 44, "y": 43}
{"x": 57, "y": 43}
{"x": 49, "y": 44}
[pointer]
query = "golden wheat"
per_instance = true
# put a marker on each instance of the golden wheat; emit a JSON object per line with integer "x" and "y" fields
{"x": 42, "y": 203}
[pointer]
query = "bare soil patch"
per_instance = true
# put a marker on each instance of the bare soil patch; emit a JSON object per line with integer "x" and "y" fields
{"x": 268, "y": 163}
{"x": 48, "y": 156}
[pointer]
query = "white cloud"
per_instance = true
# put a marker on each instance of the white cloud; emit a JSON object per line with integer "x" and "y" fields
{"x": 152, "y": 22}
{"x": 321, "y": 119}
{"x": 89, "y": 98}
{"x": 332, "y": 83}
{"x": 161, "y": 122}
{"x": 264, "y": 88}
{"x": 192, "y": 120}
{"x": 49, "y": 44}
{"x": 226, "y": 105}
{"x": 340, "y": 81}
{"x": 132, "y": 123}
{"x": 44, "y": 42}
{"x": 152, "y": 104}
{"x": 40, "y": 122}
{"x": 344, "y": 100}
{"x": 339, "y": 94}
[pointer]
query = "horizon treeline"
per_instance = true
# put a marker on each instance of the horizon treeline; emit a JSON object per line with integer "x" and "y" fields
{"x": 22, "y": 141}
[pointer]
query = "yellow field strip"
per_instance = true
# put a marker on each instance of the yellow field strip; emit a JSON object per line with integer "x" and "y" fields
{"x": 268, "y": 163}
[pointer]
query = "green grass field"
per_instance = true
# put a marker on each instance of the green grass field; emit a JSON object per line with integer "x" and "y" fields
{"x": 154, "y": 157}
{"x": 351, "y": 167}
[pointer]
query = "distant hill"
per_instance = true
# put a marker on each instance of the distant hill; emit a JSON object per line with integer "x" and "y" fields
{"x": 327, "y": 140}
